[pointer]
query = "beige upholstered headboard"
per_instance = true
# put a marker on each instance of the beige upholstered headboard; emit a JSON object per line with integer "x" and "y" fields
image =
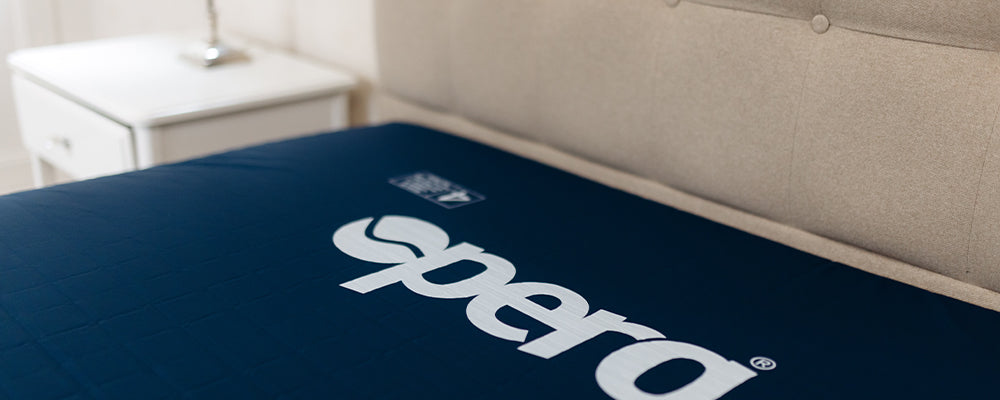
{"x": 860, "y": 130}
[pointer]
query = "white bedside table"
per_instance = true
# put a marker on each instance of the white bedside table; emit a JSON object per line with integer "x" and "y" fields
{"x": 109, "y": 106}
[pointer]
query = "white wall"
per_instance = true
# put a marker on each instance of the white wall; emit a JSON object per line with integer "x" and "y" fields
{"x": 9, "y": 143}
{"x": 14, "y": 170}
{"x": 337, "y": 32}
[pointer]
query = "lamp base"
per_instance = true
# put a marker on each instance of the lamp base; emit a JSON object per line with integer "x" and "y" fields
{"x": 212, "y": 54}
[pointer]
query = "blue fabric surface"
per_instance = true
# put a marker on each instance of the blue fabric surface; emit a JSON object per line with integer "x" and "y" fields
{"x": 218, "y": 278}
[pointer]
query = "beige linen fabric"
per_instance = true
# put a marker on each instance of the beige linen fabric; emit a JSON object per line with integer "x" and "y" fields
{"x": 389, "y": 108}
{"x": 727, "y": 86}
{"x": 494, "y": 59}
{"x": 414, "y": 53}
{"x": 684, "y": 96}
{"x": 891, "y": 142}
{"x": 964, "y": 23}
{"x": 876, "y": 142}
{"x": 584, "y": 103}
{"x": 984, "y": 249}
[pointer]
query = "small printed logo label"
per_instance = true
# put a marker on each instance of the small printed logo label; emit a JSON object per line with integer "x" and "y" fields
{"x": 436, "y": 189}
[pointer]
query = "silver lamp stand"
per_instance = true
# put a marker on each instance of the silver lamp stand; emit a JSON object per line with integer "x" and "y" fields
{"x": 214, "y": 52}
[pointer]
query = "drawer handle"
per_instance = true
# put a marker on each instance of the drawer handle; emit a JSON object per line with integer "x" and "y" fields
{"x": 61, "y": 142}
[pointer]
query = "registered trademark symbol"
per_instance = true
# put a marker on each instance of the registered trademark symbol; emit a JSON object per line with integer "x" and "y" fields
{"x": 763, "y": 363}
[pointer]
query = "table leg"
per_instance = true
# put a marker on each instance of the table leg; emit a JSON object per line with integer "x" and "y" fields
{"x": 42, "y": 172}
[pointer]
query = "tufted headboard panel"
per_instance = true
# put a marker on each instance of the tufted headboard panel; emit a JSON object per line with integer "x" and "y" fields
{"x": 872, "y": 125}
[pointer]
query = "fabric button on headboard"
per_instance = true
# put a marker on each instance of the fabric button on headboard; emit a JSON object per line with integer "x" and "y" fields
{"x": 878, "y": 132}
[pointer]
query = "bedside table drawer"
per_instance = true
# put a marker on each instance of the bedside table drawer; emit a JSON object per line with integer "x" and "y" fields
{"x": 71, "y": 137}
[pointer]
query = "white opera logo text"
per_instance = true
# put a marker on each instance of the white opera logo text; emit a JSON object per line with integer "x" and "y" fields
{"x": 492, "y": 289}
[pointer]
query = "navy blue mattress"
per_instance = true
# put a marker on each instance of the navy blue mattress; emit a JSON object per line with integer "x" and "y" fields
{"x": 399, "y": 262}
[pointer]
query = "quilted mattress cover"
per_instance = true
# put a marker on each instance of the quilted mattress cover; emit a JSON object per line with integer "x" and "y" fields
{"x": 399, "y": 262}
